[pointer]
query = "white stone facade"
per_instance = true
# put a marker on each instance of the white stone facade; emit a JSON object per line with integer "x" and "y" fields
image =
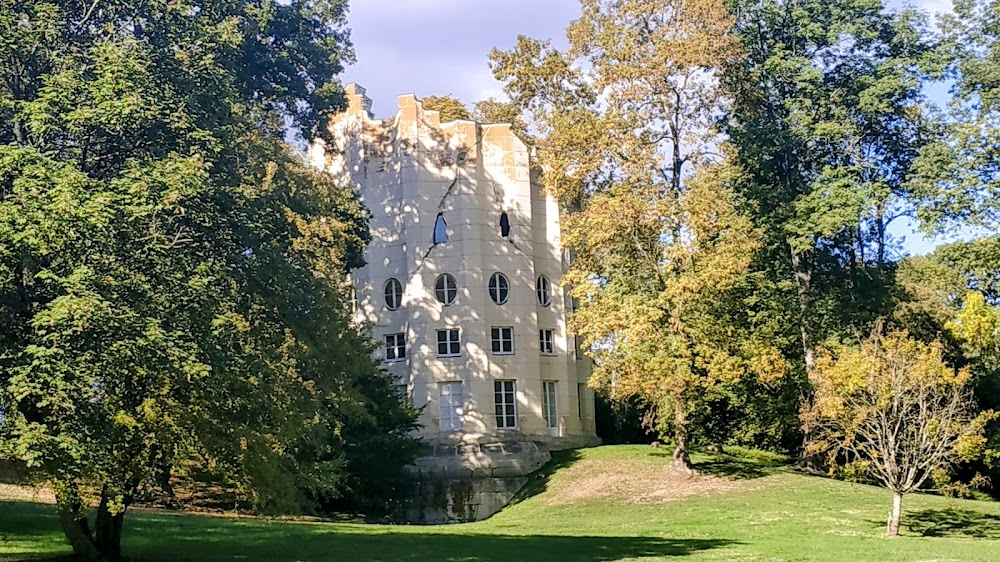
{"x": 413, "y": 172}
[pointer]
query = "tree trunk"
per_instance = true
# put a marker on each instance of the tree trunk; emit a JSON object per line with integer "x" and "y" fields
{"x": 73, "y": 519}
{"x": 892, "y": 525}
{"x": 108, "y": 528}
{"x": 803, "y": 289}
{"x": 104, "y": 542}
{"x": 681, "y": 458}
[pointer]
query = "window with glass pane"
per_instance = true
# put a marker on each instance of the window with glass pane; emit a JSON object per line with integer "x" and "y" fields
{"x": 395, "y": 347}
{"x": 448, "y": 343}
{"x": 542, "y": 287}
{"x": 502, "y": 340}
{"x": 393, "y": 294}
{"x": 545, "y": 342}
{"x": 506, "y": 409}
{"x": 499, "y": 288}
{"x": 451, "y": 407}
{"x": 445, "y": 289}
{"x": 549, "y": 403}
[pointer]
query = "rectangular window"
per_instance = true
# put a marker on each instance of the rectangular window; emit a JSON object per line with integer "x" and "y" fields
{"x": 581, "y": 389}
{"x": 504, "y": 400}
{"x": 395, "y": 347}
{"x": 545, "y": 339}
{"x": 549, "y": 403}
{"x": 577, "y": 348}
{"x": 503, "y": 340}
{"x": 451, "y": 407}
{"x": 448, "y": 343}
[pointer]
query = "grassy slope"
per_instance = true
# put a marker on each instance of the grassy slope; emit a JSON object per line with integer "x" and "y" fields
{"x": 770, "y": 513}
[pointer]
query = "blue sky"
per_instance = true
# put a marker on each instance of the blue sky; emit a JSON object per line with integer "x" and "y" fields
{"x": 434, "y": 47}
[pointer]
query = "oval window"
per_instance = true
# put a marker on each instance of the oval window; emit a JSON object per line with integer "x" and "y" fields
{"x": 542, "y": 287}
{"x": 504, "y": 225}
{"x": 393, "y": 293}
{"x": 499, "y": 288}
{"x": 445, "y": 289}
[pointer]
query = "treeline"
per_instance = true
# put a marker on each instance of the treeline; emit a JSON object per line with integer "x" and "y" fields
{"x": 732, "y": 174}
{"x": 171, "y": 273}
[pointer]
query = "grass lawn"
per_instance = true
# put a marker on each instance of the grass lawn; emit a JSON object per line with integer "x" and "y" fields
{"x": 602, "y": 504}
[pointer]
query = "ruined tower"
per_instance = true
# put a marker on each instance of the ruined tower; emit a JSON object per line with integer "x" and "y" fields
{"x": 463, "y": 287}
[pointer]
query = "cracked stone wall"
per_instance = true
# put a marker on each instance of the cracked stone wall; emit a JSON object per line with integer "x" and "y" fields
{"x": 409, "y": 169}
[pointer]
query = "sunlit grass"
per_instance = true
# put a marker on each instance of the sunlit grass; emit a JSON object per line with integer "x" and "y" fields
{"x": 765, "y": 511}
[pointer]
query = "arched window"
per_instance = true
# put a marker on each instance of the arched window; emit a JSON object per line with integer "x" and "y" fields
{"x": 542, "y": 287}
{"x": 440, "y": 230}
{"x": 504, "y": 225}
{"x": 393, "y": 293}
{"x": 446, "y": 289}
{"x": 499, "y": 288}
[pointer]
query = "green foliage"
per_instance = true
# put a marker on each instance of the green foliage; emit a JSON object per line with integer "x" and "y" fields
{"x": 827, "y": 117}
{"x": 170, "y": 272}
{"x": 450, "y": 107}
{"x": 958, "y": 180}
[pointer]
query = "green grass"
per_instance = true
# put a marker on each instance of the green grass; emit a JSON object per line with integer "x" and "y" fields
{"x": 768, "y": 513}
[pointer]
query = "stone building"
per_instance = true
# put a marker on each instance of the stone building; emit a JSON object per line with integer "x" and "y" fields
{"x": 463, "y": 287}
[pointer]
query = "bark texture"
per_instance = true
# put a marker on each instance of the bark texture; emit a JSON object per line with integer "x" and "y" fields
{"x": 892, "y": 525}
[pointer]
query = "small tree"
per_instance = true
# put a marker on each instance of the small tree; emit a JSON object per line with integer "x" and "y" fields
{"x": 893, "y": 410}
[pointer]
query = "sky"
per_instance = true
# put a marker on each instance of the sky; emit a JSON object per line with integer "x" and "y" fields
{"x": 437, "y": 47}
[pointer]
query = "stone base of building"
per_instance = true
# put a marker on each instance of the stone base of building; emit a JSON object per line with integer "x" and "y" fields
{"x": 456, "y": 483}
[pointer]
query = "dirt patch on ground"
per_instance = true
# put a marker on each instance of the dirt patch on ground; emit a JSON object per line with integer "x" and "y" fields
{"x": 638, "y": 482}
{"x": 15, "y": 492}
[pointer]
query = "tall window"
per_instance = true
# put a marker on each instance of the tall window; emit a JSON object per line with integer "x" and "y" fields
{"x": 503, "y": 340}
{"x": 395, "y": 347}
{"x": 506, "y": 407}
{"x": 549, "y": 403}
{"x": 448, "y": 342}
{"x": 581, "y": 389}
{"x": 499, "y": 288}
{"x": 504, "y": 225}
{"x": 440, "y": 230}
{"x": 445, "y": 288}
{"x": 545, "y": 342}
{"x": 451, "y": 407}
{"x": 393, "y": 293}
{"x": 542, "y": 287}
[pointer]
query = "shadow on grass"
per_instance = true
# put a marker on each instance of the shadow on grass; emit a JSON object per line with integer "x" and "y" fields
{"x": 730, "y": 466}
{"x": 952, "y": 522}
{"x": 538, "y": 481}
{"x": 737, "y": 468}
{"x": 380, "y": 545}
{"x": 34, "y": 534}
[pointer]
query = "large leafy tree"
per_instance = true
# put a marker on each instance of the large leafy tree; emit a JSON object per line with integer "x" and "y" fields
{"x": 623, "y": 130}
{"x": 170, "y": 273}
{"x": 828, "y": 116}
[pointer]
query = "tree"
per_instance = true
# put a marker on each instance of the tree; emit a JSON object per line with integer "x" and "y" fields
{"x": 170, "y": 272}
{"x": 493, "y": 111}
{"x": 827, "y": 118}
{"x": 959, "y": 175}
{"x": 893, "y": 410}
{"x": 450, "y": 107}
{"x": 624, "y": 140}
